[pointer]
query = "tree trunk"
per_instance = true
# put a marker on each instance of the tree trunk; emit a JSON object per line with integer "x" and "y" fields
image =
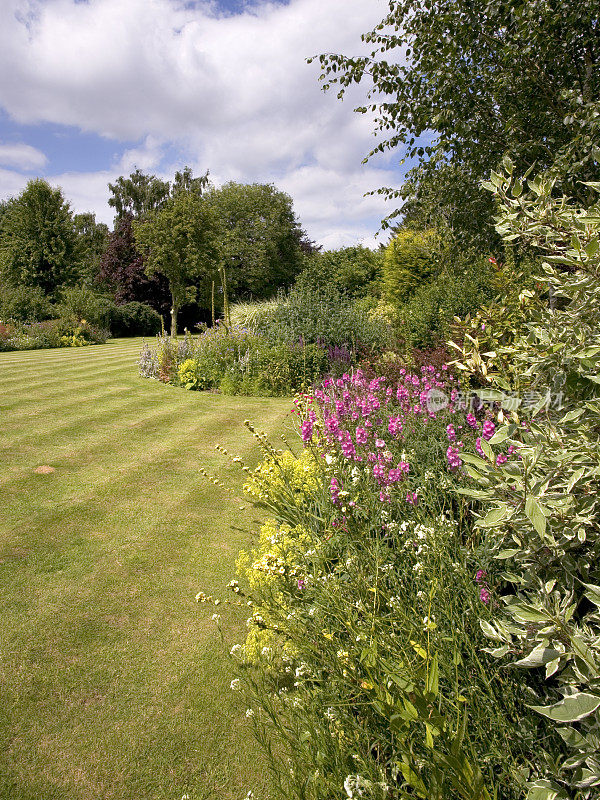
{"x": 174, "y": 310}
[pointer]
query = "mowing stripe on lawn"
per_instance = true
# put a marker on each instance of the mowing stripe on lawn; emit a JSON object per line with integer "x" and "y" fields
{"x": 113, "y": 682}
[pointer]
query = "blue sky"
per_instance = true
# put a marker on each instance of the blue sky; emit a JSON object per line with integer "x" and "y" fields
{"x": 91, "y": 89}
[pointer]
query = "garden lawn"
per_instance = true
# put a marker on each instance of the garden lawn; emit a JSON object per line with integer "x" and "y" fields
{"x": 113, "y": 682}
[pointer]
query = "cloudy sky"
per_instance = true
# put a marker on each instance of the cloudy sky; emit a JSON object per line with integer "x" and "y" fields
{"x": 91, "y": 89}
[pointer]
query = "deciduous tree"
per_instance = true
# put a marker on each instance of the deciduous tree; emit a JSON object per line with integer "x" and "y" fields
{"x": 260, "y": 239}
{"x": 38, "y": 240}
{"x": 488, "y": 78}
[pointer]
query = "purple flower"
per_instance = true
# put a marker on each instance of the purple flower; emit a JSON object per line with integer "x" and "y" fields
{"x": 451, "y": 432}
{"x": 478, "y": 447}
{"x": 484, "y": 595}
{"x": 411, "y": 498}
{"x": 501, "y": 459}
{"x": 471, "y": 421}
{"x": 480, "y": 576}
{"x": 301, "y": 583}
{"x": 379, "y": 443}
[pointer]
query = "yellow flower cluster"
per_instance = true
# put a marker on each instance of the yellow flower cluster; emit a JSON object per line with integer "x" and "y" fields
{"x": 275, "y": 477}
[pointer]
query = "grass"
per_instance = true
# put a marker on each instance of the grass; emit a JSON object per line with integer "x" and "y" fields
{"x": 113, "y": 682}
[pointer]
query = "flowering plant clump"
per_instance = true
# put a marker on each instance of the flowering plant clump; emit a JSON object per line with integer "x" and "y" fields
{"x": 363, "y": 606}
{"x": 233, "y": 360}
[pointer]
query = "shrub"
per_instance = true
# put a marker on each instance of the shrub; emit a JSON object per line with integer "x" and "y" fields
{"x": 79, "y": 303}
{"x": 328, "y": 319}
{"x": 237, "y": 362}
{"x": 352, "y": 271}
{"x": 410, "y": 260}
{"x": 135, "y": 319}
{"x": 50, "y": 333}
{"x": 24, "y": 304}
{"x": 541, "y": 518}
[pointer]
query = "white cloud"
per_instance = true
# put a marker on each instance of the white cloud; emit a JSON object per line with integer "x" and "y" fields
{"x": 22, "y": 156}
{"x": 230, "y": 93}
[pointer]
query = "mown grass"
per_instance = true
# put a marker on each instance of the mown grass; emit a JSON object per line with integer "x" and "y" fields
{"x": 113, "y": 682}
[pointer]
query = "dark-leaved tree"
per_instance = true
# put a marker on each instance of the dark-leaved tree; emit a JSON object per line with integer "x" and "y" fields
{"x": 122, "y": 270}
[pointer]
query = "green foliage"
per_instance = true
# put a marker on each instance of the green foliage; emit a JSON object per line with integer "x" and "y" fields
{"x": 540, "y": 520}
{"x": 259, "y": 238}
{"x": 326, "y": 318}
{"x": 138, "y": 195}
{"x": 38, "y": 241}
{"x": 487, "y": 79}
{"x": 254, "y": 314}
{"x": 179, "y": 242}
{"x": 81, "y": 303}
{"x": 426, "y": 319}
{"x": 49, "y": 334}
{"x": 92, "y": 240}
{"x": 484, "y": 338}
{"x": 410, "y": 260}
{"x": 352, "y": 271}
{"x": 135, "y": 319}
{"x": 238, "y": 362}
{"x": 24, "y": 304}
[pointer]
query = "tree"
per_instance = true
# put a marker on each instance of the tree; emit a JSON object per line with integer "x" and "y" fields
{"x": 92, "y": 239}
{"x": 139, "y": 194}
{"x": 489, "y": 79}
{"x": 260, "y": 240}
{"x": 122, "y": 270}
{"x": 38, "y": 240}
{"x": 178, "y": 241}
{"x": 355, "y": 271}
{"x": 409, "y": 261}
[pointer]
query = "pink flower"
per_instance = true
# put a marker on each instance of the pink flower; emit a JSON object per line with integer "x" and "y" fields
{"x": 453, "y": 458}
{"x": 478, "y": 447}
{"x": 484, "y": 595}
{"x": 332, "y": 424}
{"x": 501, "y": 459}
{"x": 451, "y": 432}
{"x": 306, "y": 430}
{"x": 334, "y": 490}
{"x": 301, "y": 583}
{"x": 379, "y": 443}
{"x": 378, "y": 471}
{"x": 411, "y": 498}
{"x": 362, "y": 434}
{"x": 471, "y": 421}
{"x": 488, "y": 429}
{"x": 480, "y": 576}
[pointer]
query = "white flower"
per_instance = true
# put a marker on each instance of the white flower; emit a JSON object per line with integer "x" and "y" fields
{"x": 355, "y": 786}
{"x": 235, "y": 685}
{"x": 266, "y": 652}
{"x": 235, "y": 650}
{"x": 328, "y": 459}
{"x": 249, "y": 712}
{"x": 216, "y": 618}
